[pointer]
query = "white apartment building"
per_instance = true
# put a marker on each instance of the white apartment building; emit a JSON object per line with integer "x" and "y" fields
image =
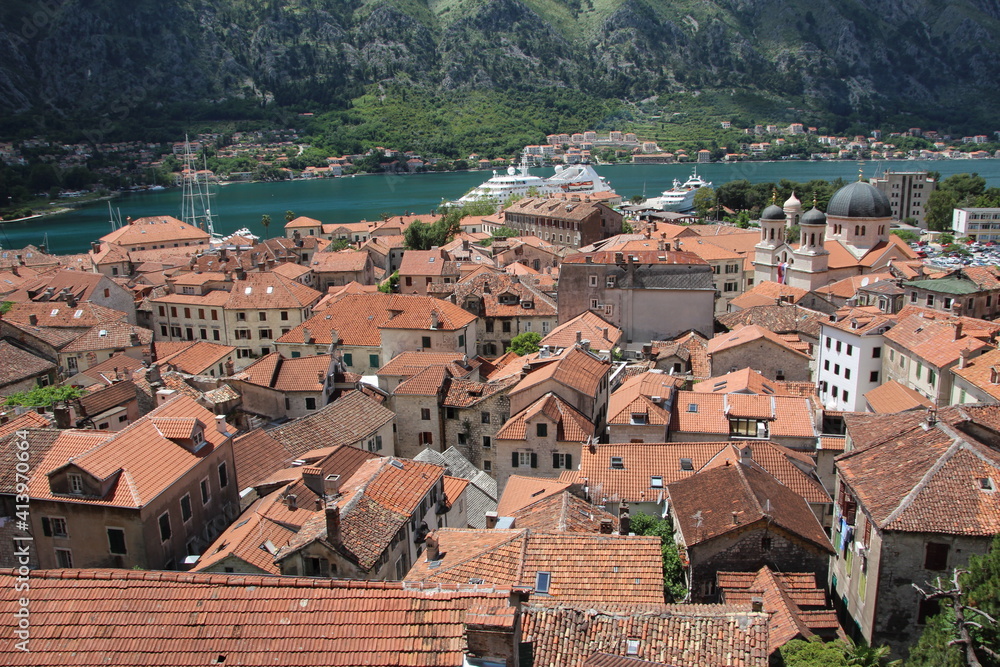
{"x": 981, "y": 224}
{"x": 849, "y": 358}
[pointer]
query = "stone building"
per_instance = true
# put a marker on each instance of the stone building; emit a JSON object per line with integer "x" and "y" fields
{"x": 649, "y": 295}
{"x": 570, "y": 223}
{"x": 916, "y": 496}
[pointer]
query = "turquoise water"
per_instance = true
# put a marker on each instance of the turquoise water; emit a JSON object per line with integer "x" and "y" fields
{"x": 369, "y": 197}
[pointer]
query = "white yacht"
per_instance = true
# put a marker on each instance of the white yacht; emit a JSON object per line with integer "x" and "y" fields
{"x": 578, "y": 178}
{"x": 680, "y": 197}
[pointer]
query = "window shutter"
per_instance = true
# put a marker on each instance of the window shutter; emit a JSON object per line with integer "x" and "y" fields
{"x": 513, "y": 459}
{"x": 534, "y": 460}
{"x": 46, "y": 527}
{"x": 569, "y": 462}
{"x": 555, "y": 460}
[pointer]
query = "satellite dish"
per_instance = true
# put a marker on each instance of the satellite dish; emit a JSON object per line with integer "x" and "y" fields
{"x": 864, "y": 281}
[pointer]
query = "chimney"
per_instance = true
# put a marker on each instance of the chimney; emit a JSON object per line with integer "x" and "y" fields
{"x": 958, "y": 329}
{"x": 624, "y": 520}
{"x": 606, "y": 526}
{"x": 133, "y": 339}
{"x": 95, "y": 247}
{"x": 585, "y": 345}
{"x": 757, "y": 604}
{"x": 331, "y": 486}
{"x": 491, "y": 520}
{"x": 434, "y": 319}
{"x": 307, "y": 336}
{"x": 333, "y": 525}
{"x": 963, "y": 358}
{"x": 321, "y": 377}
{"x": 230, "y": 367}
{"x": 493, "y": 631}
{"x": 433, "y": 552}
{"x": 62, "y": 414}
{"x": 71, "y": 300}
{"x": 931, "y": 416}
{"x": 619, "y": 258}
{"x": 334, "y": 341}
{"x": 579, "y": 336}
{"x": 736, "y": 518}
{"x": 220, "y": 424}
{"x": 33, "y": 319}
{"x": 292, "y": 501}
{"x": 312, "y": 477}
{"x": 746, "y": 455}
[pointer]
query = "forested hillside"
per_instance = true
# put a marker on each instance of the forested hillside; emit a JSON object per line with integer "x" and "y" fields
{"x": 70, "y": 62}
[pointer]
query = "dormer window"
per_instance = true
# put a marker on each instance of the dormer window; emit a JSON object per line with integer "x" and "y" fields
{"x": 656, "y": 482}
{"x": 640, "y": 418}
{"x": 986, "y": 484}
{"x": 687, "y": 465}
{"x": 692, "y": 407}
{"x": 617, "y": 463}
{"x": 542, "y": 581}
{"x": 75, "y": 484}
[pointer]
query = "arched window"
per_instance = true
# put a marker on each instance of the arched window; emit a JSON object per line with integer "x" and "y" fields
{"x": 857, "y": 230}
{"x": 863, "y": 230}
{"x": 772, "y": 233}
{"x": 812, "y": 239}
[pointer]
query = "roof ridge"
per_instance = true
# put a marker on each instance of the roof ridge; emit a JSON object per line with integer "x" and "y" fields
{"x": 132, "y": 487}
{"x": 524, "y": 556}
{"x": 927, "y": 476}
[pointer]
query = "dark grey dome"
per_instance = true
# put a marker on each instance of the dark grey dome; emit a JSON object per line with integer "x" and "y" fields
{"x": 772, "y": 212}
{"x": 813, "y": 216}
{"x": 859, "y": 200}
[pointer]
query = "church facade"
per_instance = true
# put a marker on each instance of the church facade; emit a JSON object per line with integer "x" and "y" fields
{"x": 851, "y": 238}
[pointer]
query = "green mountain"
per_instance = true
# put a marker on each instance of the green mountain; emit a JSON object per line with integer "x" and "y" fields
{"x": 102, "y": 63}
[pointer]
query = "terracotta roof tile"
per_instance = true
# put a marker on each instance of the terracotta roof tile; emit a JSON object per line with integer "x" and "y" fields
{"x": 589, "y": 326}
{"x": 346, "y": 421}
{"x": 28, "y": 420}
{"x": 522, "y": 491}
{"x": 571, "y": 425}
{"x": 177, "y": 619}
{"x": 681, "y": 635}
{"x": 704, "y": 505}
{"x": 576, "y": 369}
{"x": 155, "y": 229}
{"x": 749, "y": 380}
{"x": 19, "y": 365}
{"x": 582, "y": 567}
{"x": 563, "y": 512}
{"x": 695, "y": 412}
{"x": 911, "y": 476}
{"x": 891, "y": 397}
{"x": 978, "y": 371}
{"x": 636, "y": 395}
{"x": 270, "y": 290}
{"x": 748, "y": 334}
{"x": 194, "y": 358}
{"x": 939, "y": 342}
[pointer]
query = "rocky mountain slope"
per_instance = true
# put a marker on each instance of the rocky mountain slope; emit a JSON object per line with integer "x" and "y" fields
{"x": 118, "y": 58}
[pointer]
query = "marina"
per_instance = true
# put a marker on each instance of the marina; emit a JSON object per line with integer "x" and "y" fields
{"x": 343, "y": 200}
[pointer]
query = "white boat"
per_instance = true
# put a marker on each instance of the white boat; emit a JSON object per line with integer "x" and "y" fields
{"x": 578, "y": 178}
{"x": 680, "y": 198}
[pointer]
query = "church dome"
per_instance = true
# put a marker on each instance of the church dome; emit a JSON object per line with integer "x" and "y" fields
{"x": 813, "y": 216}
{"x": 772, "y": 212}
{"x": 792, "y": 202}
{"x": 859, "y": 200}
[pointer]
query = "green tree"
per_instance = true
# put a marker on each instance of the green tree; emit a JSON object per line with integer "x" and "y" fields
{"x": 814, "y": 652}
{"x": 793, "y": 233}
{"x": 525, "y": 343}
{"x": 704, "y": 202}
{"x": 388, "y": 285}
{"x": 945, "y": 642}
{"x": 5, "y": 307}
{"x": 673, "y": 571}
{"x": 907, "y": 235}
{"x": 44, "y": 396}
{"x": 289, "y": 216}
{"x": 265, "y": 221}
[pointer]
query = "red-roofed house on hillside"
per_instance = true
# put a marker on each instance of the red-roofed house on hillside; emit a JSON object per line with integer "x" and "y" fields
{"x": 639, "y": 410}
{"x": 740, "y": 518}
{"x": 850, "y": 356}
{"x": 161, "y": 231}
{"x": 420, "y": 268}
{"x": 147, "y": 496}
{"x": 371, "y": 329}
{"x": 924, "y": 346}
{"x": 544, "y": 439}
{"x": 767, "y": 353}
{"x": 373, "y": 524}
{"x": 578, "y": 377}
{"x": 791, "y": 421}
{"x": 251, "y": 316}
{"x": 916, "y": 497}
{"x": 334, "y": 269}
{"x": 273, "y": 386}
{"x": 361, "y": 623}
{"x": 559, "y": 566}
{"x": 633, "y": 290}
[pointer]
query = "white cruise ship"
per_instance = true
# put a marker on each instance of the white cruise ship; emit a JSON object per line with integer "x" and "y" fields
{"x": 578, "y": 178}
{"x": 680, "y": 198}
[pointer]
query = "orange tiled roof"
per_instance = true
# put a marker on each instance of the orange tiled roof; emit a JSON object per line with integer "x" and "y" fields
{"x": 582, "y": 567}
{"x": 571, "y": 425}
{"x": 58, "y": 314}
{"x": 19, "y": 365}
{"x": 939, "y": 342}
{"x": 891, "y": 397}
{"x": 362, "y": 622}
{"x": 194, "y": 358}
{"x": 28, "y": 420}
{"x": 770, "y": 292}
{"x": 680, "y": 634}
{"x": 748, "y": 334}
{"x": 910, "y": 476}
{"x": 564, "y": 512}
{"x": 784, "y": 595}
{"x": 111, "y": 335}
{"x": 588, "y": 325}
{"x": 748, "y": 380}
{"x": 704, "y": 506}
{"x": 143, "y": 457}
{"x": 270, "y": 290}
{"x": 576, "y": 369}
{"x": 346, "y": 421}
{"x": 695, "y": 412}
{"x": 978, "y": 371}
{"x": 636, "y": 394}
{"x": 522, "y": 491}
{"x": 155, "y": 229}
